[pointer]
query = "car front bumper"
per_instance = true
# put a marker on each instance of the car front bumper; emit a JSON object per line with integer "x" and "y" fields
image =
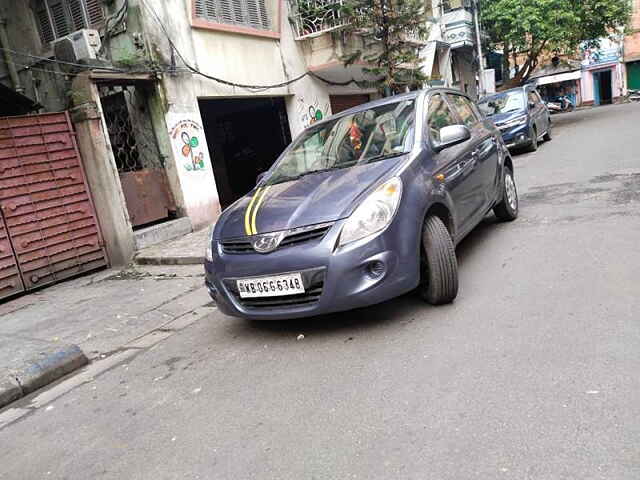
{"x": 357, "y": 275}
{"x": 517, "y": 136}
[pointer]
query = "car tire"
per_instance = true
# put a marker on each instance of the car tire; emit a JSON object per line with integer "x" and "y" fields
{"x": 548, "y": 136}
{"x": 507, "y": 209}
{"x": 533, "y": 146}
{"x": 440, "y": 267}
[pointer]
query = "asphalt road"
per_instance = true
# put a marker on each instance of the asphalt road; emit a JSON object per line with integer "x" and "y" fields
{"x": 533, "y": 373}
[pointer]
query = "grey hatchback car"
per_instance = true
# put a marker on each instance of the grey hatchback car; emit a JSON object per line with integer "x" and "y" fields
{"x": 363, "y": 207}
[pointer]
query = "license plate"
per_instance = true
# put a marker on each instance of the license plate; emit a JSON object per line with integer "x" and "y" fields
{"x": 276, "y": 286}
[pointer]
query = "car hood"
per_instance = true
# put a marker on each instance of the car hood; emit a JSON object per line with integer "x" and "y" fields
{"x": 500, "y": 118}
{"x": 313, "y": 199}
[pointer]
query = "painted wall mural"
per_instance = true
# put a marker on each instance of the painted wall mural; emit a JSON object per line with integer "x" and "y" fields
{"x": 187, "y": 136}
{"x": 313, "y": 112}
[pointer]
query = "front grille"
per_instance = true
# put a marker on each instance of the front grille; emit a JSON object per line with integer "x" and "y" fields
{"x": 237, "y": 246}
{"x": 313, "y": 281}
{"x": 309, "y": 297}
{"x": 293, "y": 237}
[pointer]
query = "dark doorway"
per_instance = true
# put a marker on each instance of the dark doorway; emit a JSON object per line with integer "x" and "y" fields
{"x": 245, "y": 136}
{"x": 604, "y": 80}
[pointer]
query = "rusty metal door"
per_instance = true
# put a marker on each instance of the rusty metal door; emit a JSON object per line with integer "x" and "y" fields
{"x": 140, "y": 166}
{"x": 49, "y": 219}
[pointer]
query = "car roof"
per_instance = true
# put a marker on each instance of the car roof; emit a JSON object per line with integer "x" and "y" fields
{"x": 393, "y": 99}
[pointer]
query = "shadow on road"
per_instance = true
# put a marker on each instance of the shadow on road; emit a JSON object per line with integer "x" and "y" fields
{"x": 405, "y": 308}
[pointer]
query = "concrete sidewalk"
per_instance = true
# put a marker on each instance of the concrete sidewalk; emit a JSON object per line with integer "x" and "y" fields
{"x": 48, "y": 333}
{"x": 187, "y": 250}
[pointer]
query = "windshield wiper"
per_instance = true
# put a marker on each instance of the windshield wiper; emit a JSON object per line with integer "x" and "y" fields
{"x": 303, "y": 174}
{"x": 383, "y": 157}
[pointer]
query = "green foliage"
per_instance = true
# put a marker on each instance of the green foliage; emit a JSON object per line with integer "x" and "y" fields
{"x": 534, "y": 26}
{"x": 390, "y": 53}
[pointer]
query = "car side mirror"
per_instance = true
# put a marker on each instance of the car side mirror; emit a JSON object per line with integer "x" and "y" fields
{"x": 532, "y": 105}
{"x": 452, "y": 135}
{"x": 260, "y": 177}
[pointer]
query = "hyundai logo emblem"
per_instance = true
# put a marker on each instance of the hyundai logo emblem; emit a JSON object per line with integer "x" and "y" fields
{"x": 267, "y": 243}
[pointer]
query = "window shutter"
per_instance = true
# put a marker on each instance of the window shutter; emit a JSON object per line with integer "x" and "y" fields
{"x": 257, "y": 17}
{"x": 201, "y": 8}
{"x": 76, "y": 11}
{"x": 240, "y": 14}
{"x": 45, "y": 29}
{"x": 249, "y": 13}
{"x": 225, "y": 12}
{"x": 59, "y": 18}
{"x": 95, "y": 14}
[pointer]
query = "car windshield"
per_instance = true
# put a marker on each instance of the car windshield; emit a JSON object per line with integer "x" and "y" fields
{"x": 502, "y": 103}
{"x": 359, "y": 138}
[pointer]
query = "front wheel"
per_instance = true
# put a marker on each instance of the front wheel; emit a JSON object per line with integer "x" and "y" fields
{"x": 507, "y": 209}
{"x": 440, "y": 276}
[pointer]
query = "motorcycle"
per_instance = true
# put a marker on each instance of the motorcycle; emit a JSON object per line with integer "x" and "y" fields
{"x": 560, "y": 104}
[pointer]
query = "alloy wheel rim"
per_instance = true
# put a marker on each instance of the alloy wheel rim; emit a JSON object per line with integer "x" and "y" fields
{"x": 512, "y": 195}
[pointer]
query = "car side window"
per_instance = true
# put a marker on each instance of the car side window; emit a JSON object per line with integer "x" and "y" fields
{"x": 465, "y": 109}
{"x": 532, "y": 97}
{"x": 439, "y": 115}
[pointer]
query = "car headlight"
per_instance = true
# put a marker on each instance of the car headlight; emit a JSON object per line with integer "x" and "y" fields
{"x": 514, "y": 122}
{"x": 208, "y": 253}
{"x": 374, "y": 214}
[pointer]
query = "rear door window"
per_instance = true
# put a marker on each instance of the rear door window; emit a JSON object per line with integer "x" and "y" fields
{"x": 465, "y": 109}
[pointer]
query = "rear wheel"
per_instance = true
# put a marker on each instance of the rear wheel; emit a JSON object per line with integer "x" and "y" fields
{"x": 548, "y": 136}
{"x": 533, "y": 146}
{"x": 507, "y": 209}
{"x": 440, "y": 266}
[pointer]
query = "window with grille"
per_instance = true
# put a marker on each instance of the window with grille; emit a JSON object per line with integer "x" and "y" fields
{"x": 57, "y": 18}
{"x": 245, "y": 13}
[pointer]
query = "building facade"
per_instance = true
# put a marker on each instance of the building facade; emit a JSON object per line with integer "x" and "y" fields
{"x": 632, "y": 50}
{"x": 178, "y": 105}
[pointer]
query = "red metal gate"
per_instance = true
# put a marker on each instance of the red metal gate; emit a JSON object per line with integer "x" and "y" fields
{"x": 48, "y": 228}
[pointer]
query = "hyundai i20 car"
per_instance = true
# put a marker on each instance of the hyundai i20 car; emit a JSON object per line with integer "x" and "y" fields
{"x": 520, "y": 115}
{"x": 361, "y": 208}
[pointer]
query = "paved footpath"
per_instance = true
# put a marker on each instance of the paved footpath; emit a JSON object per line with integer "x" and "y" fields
{"x": 532, "y": 374}
{"x": 52, "y": 332}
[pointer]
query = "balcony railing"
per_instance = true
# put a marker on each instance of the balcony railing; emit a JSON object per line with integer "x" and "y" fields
{"x": 314, "y": 17}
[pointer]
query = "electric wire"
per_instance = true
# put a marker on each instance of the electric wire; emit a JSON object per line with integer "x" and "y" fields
{"x": 308, "y": 73}
{"x": 188, "y": 67}
{"x": 61, "y": 62}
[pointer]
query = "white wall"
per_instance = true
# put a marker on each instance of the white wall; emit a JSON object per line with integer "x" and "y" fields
{"x": 235, "y": 57}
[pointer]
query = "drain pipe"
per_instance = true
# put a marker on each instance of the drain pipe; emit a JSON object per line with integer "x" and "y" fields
{"x": 4, "y": 43}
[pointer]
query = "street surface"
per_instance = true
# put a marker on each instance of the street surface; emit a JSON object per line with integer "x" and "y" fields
{"x": 533, "y": 373}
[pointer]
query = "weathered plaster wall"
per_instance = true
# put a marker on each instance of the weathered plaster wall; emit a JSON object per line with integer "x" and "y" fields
{"x": 235, "y": 57}
{"x": 632, "y": 41}
{"x": 102, "y": 173}
{"x": 39, "y": 84}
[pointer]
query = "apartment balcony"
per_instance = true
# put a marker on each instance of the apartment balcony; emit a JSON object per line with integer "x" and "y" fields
{"x": 314, "y": 18}
{"x": 318, "y": 27}
{"x": 457, "y": 27}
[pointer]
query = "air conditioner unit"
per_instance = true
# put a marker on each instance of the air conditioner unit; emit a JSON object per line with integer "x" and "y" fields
{"x": 79, "y": 47}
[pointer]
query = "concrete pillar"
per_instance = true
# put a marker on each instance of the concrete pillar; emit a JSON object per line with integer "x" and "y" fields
{"x": 102, "y": 173}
